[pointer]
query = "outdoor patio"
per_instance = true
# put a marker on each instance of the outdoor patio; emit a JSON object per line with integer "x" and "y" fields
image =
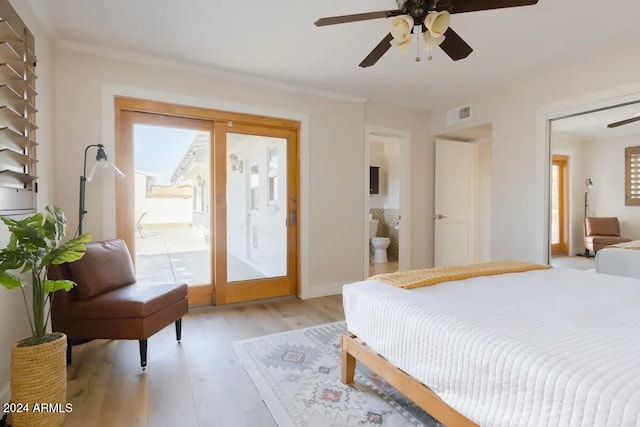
{"x": 181, "y": 254}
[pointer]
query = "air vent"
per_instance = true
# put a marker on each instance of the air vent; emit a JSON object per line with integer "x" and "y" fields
{"x": 458, "y": 114}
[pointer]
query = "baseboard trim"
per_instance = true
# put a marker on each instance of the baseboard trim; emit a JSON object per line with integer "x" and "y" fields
{"x": 323, "y": 290}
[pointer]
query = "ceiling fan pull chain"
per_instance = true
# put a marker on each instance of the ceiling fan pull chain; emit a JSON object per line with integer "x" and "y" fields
{"x": 418, "y": 59}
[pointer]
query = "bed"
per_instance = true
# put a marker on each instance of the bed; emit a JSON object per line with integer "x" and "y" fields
{"x": 553, "y": 347}
{"x": 621, "y": 260}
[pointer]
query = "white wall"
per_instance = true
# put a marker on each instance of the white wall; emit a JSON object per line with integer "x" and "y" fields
{"x": 160, "y": 210}
{"x": 14, "y": 324}
{"x": 573, "y": 147}
{"x": 385, "y": 153}
{"x": 604, "y": 163}
{"x": 483, "y": 201}
{"x": 332, "y": 178}
{"x": 518, "y": 115}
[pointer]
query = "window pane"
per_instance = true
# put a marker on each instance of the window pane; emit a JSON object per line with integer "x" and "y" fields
{"x": 555, "y": 205}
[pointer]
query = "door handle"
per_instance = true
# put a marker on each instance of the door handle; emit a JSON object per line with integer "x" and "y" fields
{"x": 293, "y": 216}
{"x": 439, "y": 216}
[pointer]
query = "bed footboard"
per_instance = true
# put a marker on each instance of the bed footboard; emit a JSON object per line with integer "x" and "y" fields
{"x": 355, "y": 349}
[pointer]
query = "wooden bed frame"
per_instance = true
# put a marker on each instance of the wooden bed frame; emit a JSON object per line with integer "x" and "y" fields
{"x": 355, "y": 349}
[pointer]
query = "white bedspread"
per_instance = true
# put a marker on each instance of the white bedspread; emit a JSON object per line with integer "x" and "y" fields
{"x": 620, "y": 262}
{"x": 545, "y": 348}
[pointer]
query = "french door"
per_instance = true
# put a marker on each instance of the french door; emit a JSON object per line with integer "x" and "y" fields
{"x": 559, "y": 206}
{"x": 209, "y": 199}
{"x": 256, "y": 212}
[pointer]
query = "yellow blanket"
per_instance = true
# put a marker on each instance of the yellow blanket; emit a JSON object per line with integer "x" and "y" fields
{"x": 412, "y": 279}
{"x": 635, "y": 245}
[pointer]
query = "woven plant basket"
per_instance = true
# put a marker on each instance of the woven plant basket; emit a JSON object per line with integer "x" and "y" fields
{"x": 39, "y": 376}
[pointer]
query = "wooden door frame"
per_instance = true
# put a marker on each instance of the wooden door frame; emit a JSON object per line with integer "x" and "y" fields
{"x": 562, "y": 161}
{"x": 255, "y": 289}
{"x": 175, "y": 112}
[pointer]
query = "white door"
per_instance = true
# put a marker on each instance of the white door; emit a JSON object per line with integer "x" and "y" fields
{"x": 455, "y": 203}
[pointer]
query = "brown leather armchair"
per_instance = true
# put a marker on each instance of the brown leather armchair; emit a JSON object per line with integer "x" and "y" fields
{"x": 107, "y": 303}
{"x": 601, "y": 232}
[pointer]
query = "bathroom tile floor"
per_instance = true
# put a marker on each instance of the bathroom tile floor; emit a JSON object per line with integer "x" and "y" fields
{"x": 389, "y": 267}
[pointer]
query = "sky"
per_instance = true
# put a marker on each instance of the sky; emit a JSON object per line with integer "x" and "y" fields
{"x": 158, "y": 150}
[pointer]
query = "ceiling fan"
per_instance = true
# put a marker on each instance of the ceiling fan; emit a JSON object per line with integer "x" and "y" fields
{"x": 635, "y": 118}
{"x": 429, "y": 17}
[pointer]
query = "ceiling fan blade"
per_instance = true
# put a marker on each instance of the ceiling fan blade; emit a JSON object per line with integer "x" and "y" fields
{"x": 463, "y": 6}
{"x": 623, "y": 122}
{"x": 454, "y": 46}
{"x": 357, "y": 17}
{"x": 377, "y": 52}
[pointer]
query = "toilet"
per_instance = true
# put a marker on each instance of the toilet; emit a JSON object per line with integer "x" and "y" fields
{"x": 379, "y": 244}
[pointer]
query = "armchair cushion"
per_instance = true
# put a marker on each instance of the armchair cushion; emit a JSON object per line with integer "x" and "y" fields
{"x": 129, "y": 302}
{"x": 104, "y": 267}
{"x": 601, "y": 241}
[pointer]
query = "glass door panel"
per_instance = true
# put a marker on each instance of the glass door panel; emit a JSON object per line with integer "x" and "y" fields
{"x": 172, "y": 186}
{"x": 163, "y": 205}
{"x": 256, "y": 207}
{"x": 559, "y": 206}
{"x": 555, "y": 204}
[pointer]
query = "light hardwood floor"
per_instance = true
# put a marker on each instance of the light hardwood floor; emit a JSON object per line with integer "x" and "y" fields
{"x": 388, "y": 267}
{"x": 198, "y": 382}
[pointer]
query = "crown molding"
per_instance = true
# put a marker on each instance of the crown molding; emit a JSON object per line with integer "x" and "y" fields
{"x": 201, "y": 69}
{"x": 42, "y": 16}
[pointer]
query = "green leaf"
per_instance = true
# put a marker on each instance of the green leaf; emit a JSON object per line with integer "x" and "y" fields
{"x": 58, "y": 285}
{"x": 9, "y": 281}
{"x": 55, "y": 223}
{"x": 70, "y": 251}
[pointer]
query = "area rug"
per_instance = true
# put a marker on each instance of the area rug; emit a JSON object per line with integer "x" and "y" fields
{"x": 297, "y": 374}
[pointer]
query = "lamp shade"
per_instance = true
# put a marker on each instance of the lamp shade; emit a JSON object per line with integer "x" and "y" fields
{"x": 589, "y": 184}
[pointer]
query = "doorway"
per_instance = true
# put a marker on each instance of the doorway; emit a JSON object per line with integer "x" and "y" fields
{"x": 209, "y": 199}
{"x": 387, "y": 167}
{"x": 593, "y": 143}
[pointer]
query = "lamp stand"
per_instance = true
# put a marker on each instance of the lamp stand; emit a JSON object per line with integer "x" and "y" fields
{"x": 586, "y": 253}
{"x": 83, "y": 183}
{"x": 81, "y": 210}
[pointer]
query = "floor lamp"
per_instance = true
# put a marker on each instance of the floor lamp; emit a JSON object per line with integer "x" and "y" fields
{"x": 588, "y": 187}
{"x": 102, "y": 162}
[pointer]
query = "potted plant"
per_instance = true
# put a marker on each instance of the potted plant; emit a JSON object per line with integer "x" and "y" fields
{"x": 38, "y": 362}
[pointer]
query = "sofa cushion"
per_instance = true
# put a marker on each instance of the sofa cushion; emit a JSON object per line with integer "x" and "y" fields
{"x": 135, "y": 301}
{"x": 104, "y": 267}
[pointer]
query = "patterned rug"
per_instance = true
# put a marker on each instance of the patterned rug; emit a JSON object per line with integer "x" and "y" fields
{"x": 298, "y": 376}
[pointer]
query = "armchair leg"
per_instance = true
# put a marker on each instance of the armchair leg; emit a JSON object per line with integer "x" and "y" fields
{"x": 178, "y": 330}
{"x": 143, "y": 353}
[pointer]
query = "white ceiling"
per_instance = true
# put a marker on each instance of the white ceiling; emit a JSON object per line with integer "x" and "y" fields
{"x": 277, "y": 40}
{"x": 594, "y": 125}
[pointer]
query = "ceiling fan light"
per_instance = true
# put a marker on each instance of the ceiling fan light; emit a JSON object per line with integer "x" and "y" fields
{"x": 403, "y": 45}
{"x": 430, "y": 41}
{"x": 401, "y": 27}
{"x": 437, "y": 23}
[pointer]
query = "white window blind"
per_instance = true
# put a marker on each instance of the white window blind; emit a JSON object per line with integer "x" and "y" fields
{"x": 632, "y": 171}
{"x": 17, "y": 114}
